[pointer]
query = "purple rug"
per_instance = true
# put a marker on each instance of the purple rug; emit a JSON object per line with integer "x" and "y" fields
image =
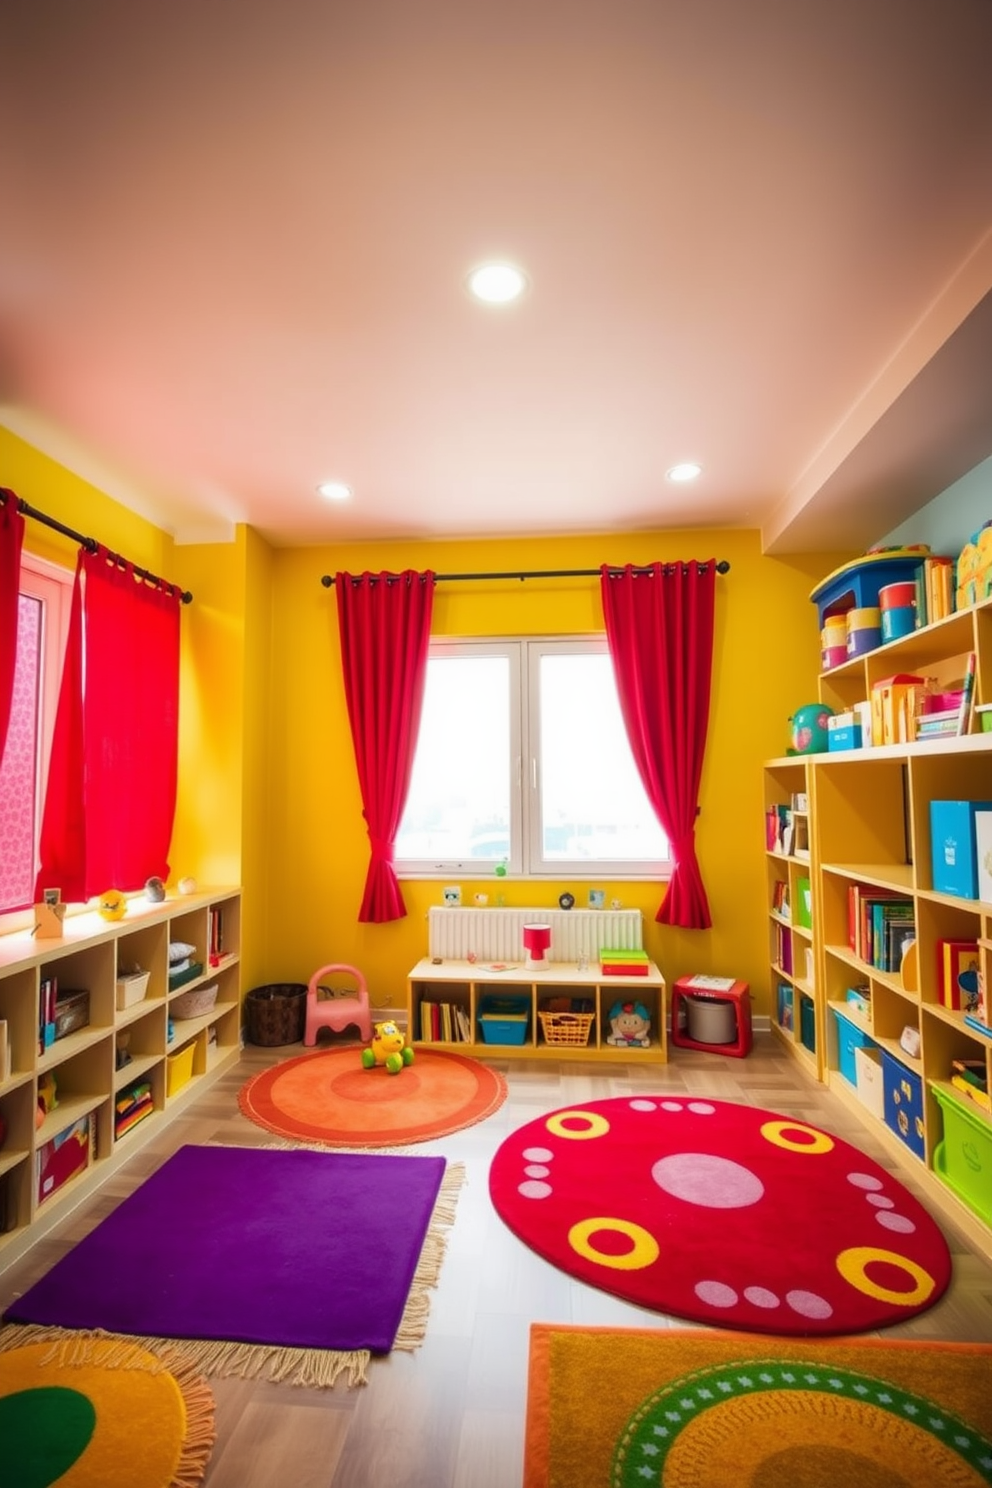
{"x": 290, "y": 1248}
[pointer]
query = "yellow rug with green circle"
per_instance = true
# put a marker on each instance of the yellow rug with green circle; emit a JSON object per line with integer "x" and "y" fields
{"x": 101, "y": 1413}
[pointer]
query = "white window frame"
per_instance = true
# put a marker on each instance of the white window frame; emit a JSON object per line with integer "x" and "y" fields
{"x": 526, "y": 859}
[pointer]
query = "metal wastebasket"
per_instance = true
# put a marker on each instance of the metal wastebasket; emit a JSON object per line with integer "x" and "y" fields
{"x": 276, "y": 1013}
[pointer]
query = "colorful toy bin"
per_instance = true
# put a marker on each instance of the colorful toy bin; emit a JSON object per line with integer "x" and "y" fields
{"x": 897, "y": 606}
{"x": 855, "y": 593}
{"x": 809, "y": 729}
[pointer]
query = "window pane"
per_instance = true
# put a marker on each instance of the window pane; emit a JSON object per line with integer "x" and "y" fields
{"x": 593, "y": 805}
{"x": 19, "y": 766}
{"x": 459, "y": 801}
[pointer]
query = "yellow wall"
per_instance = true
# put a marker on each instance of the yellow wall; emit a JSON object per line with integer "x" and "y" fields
{"x": 222, "y": 812}
{"x": 73, "y": 501}
{"x": 765, "y": 665}
{"x": 268, "y": 795}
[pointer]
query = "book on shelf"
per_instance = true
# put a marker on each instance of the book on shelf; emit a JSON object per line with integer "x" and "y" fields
{"x": 784, "y": 1006}
{"x": 934, "y": 589}
{"x": 967, "y": 696}
{"x": 780, "y": 829}
{"x": 784, "y": 948}
{"x": 978, "y": 1025}
{"x": 215, "y": 934}
{"x": 957, "y": 973}
{"x": 870, "y": 911}
{"x": 5, "y": 1055}
{"x": 938, "y": 725}
{"x": 464, "y": 1026}
{"x": 48, "y": 991}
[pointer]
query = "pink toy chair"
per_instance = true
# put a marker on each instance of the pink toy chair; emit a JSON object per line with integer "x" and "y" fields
{"x": 337, "y": 1012}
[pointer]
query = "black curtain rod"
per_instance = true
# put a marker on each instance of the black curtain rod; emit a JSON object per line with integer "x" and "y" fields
{"x": 547, "y": 573}
{"x": 89, "y": 543}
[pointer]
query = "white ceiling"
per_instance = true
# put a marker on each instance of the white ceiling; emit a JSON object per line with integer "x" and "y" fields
{"x": 234, "y": 236}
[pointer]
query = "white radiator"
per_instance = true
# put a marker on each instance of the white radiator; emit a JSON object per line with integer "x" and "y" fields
{"x": 497, "y": 934}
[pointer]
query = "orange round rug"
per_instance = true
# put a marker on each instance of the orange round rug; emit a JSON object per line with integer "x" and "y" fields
{"x": 329, "y": 1098}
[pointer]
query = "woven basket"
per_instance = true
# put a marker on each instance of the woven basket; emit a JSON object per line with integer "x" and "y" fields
{"x": 195, "y": 1003}
{"x": 277, "y": 1014}
{"x": 566, "y": 1028}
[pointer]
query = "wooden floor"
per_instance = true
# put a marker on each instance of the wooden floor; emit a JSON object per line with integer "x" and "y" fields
{"x": 451, "y": 1414}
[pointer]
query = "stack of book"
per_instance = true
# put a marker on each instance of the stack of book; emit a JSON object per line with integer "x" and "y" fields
{"x": 623, "y": 963}
{"x": 938, "y": 725}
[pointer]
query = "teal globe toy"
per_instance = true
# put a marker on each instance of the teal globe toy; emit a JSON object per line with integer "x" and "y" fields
{"x": 809, "y": 728}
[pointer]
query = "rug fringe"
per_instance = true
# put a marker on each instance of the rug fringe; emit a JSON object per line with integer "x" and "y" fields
{"x": 316, "y": 1368}
{"x": 413, "y": 1324}
{"x": 312, "y": 1368}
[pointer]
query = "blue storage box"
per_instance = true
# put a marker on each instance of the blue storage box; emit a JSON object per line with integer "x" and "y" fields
{"x": 504, "y": 1019}
{"x": 849, "y": 1038}
{"x": 844, "y": 738}
{"x": 903, "y": 1092}
{"x": 953, "y": 855}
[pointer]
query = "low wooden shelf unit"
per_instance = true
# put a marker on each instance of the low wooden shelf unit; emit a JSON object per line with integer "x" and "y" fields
{"x": 558, "y": 1013}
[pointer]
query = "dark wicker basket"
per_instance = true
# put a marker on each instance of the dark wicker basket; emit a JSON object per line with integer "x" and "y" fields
{"x": 277, "y": 1014}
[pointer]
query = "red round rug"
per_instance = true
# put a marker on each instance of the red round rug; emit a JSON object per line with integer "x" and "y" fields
{"x": 723, "y": 1214}
{"x": 328, "y": 1097}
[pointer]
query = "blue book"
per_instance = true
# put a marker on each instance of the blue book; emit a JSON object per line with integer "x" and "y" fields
{"x": 979, "y": 1027}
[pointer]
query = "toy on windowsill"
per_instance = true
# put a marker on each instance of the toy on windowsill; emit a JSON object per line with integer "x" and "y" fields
{"x": 112, "y": 905}
{"x": 630, "y": 1025}
{"x": 389, "y": 1049}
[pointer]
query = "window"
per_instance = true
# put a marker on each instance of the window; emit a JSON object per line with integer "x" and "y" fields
{"x": 43, "y": 619}
{"x": 522, "y": 756}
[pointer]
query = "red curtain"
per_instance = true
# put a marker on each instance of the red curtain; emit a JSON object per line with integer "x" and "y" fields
{"x": 11, "y": 542}
{"x": 385, "y": 625}
{"x": 111, "y": 795}
{"x": 659, "y": 624}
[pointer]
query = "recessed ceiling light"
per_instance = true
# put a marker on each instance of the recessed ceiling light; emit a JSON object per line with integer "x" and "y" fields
{"x": 334, "y": 490}
{"x": 497, "y": 283}
{"x": 687, "y": 471}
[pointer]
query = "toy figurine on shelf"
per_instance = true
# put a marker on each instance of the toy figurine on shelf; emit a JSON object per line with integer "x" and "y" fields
{"x": 630, "y": 1025}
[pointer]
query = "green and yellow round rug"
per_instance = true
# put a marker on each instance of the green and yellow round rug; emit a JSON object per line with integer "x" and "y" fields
{"x": 100, "y": 1413}
{"x": 771, "y": 1422}
{"x": 683, "y": 1408}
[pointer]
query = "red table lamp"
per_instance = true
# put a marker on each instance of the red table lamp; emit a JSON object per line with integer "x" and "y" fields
{"x": 537, "y": 940}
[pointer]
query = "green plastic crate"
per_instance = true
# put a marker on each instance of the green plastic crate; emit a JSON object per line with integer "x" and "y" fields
{"x": 963, "y": 1158}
